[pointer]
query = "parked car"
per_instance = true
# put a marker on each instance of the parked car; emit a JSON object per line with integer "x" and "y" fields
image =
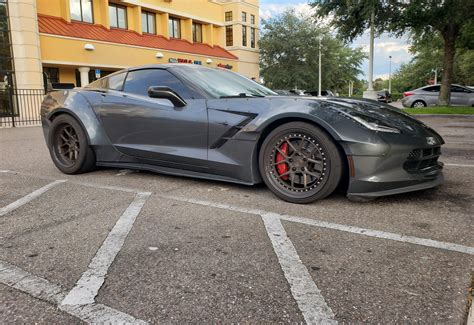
{"x": 428, "y": 96}
{"x": 384, "y": 96}
{"x": 189, "y": 120}
{"x": 324, "y": 93}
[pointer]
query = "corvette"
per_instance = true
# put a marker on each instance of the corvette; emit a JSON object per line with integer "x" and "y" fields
{"x": 189, "y": 120}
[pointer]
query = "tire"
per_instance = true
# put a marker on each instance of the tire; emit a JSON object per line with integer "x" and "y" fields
{"x": 319, "y": 159}
{"x": 418, "y": 104}
{"x": 68, "y": 146}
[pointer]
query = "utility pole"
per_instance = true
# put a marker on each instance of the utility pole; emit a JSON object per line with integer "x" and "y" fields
{"x": 370, "y": 93}
{"x": 390, "y": 74}
{"x": 319, "y": 73}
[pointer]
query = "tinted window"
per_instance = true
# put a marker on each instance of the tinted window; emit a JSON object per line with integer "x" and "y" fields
{"x": 432, "y": 88}
{"x": 114, "y": 82}
{"x": 139, "y": 81}
{"x": 457, "y": 89}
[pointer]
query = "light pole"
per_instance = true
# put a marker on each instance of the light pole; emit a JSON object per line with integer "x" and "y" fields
{"x": 319, "y": 67}
{"x": 436, "y": 76}
{"x": 370, "y": 93}
{"x": 390, "y": 74}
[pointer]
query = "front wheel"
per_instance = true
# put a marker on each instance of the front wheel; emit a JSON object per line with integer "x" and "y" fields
{"x": 68, "y": 146}
{"x": 300, "y": 163}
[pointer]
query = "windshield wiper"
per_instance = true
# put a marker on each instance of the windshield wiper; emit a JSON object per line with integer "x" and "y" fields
{"x": 242, "y": 95}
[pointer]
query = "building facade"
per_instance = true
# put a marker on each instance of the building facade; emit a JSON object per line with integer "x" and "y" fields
{"x": 78, "y": 41}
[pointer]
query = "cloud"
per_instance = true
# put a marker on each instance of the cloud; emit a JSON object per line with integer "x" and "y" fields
{"x": 268, "y": 10}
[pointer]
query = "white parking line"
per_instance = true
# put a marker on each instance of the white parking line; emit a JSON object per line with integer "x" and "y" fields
{"x": 305, "y": 292}
{"x": 40, "y": 288}
{"x": 382, "y": 234}
{"x": 24, "y": 200}
{"x": 336, "y": 226}
{"x": 459, "y": 165}
{"x": 88, "y": 286}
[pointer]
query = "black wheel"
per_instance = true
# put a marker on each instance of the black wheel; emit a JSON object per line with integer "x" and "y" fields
{"x": 300, "y": 163}
{"x": 418, "y": 104}
{"x": 68, "y": 146}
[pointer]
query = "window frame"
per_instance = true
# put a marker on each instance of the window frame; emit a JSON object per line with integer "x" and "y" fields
{"x": 147, "y": 15}
{"x": 82, "y": 12}
{"x": 189, "y": 93}
{"x": 228, "y": 16}
{"x": 229, "y": 37}
{"x": 117, "y": 7}
{"x": 253, "y": 37}
{"x": 244, "y": 35}
{"x": 252, "y": 19}
{"x": 171, "y": 31}
{"x": 195, "y": 32}
{"x": 244, "y": 16}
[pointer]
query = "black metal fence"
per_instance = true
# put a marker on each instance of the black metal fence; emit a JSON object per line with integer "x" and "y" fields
{"x": 20, "y": 107}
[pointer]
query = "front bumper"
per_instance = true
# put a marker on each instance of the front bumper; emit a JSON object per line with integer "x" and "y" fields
{"x": 402, "y": 169}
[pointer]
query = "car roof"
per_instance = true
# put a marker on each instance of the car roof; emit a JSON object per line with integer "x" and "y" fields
{"x": 167, "y": 66}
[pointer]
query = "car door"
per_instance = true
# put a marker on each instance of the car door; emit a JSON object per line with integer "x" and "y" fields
{"x": 430, "y": 95}
{"x": 154, "y": 130}
{"x": 459, "y": 96}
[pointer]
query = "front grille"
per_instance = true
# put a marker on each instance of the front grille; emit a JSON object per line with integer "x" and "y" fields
{"x": 422, "y": 160}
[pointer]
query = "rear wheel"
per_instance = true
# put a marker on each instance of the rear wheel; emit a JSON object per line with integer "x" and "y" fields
{"x": 418, "y": 104}
{"x": 68, "y": 146}
{"x": 300, "y": 163}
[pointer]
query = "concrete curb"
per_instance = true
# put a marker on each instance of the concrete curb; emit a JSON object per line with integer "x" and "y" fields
{"x": 444, "y": 115}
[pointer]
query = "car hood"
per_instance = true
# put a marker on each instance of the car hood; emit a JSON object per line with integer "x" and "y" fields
{"x": 385, "y": 114}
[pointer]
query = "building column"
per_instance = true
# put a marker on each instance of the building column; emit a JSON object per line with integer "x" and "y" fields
{"x": 84, "y": 75}
{"x": 25, "y": 44}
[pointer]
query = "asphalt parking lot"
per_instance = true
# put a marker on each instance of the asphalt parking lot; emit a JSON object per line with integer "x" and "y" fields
{"x": 123, "y": 246}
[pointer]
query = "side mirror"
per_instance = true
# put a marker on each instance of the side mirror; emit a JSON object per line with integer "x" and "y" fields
{"x": 166, "y": 93}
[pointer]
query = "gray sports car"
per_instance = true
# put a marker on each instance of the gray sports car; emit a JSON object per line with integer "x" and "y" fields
{"x": 212, "y": 123}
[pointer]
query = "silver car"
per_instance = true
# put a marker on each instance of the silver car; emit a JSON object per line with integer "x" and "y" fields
{"x": 428, "y": 96}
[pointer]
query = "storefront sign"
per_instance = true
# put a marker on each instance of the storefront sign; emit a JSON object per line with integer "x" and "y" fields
{"x": 189, "y": 61}
{"x": 225, "y": 66}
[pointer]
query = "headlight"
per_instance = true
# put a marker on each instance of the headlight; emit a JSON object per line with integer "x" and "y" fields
{"x": 371, "y": 123}
{"x": 375, "y": 125}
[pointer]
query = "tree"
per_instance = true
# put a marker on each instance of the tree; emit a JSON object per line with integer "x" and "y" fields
{"x": 446, "y": 18}
{"x": 289, "y": 55}
{"x": 428, "y": 55}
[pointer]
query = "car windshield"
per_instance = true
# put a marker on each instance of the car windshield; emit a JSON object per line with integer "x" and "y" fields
{"x": 222, "y": 83}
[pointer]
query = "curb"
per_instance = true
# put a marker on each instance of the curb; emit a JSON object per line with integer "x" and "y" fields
{"x": 444, "y": 115}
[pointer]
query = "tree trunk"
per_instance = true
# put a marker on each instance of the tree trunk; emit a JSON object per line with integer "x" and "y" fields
{"x": 450, "y": 33}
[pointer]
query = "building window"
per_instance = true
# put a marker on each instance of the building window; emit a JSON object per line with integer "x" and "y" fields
{"x": 52, "y": 74}
{"x": 228, "y": 16}
{"x": 244, "y": 16}
{"x": 229, "y": 36}
{"x": 197, "y": 33}
{"x": 252, "y": 37}
{"x": 81, "y": 10}
{"x": 148, "y": 22}
{"x": 118, "y": 16}
{"x": 244, "y": 35}
{"x": 252, "y": 19}
{"x": 174, "y": 26}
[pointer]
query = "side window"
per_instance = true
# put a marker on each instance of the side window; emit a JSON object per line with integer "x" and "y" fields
{"x": 114, "y": 82}
{"x": 456, "y": 89}
{"x": 432, "y": 88}
{"x": 139, "y": 81}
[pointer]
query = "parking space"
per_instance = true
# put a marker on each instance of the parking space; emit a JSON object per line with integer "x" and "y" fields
{"x": 124, "y": 246}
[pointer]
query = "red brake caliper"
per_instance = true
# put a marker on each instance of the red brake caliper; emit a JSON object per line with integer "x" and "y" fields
{"x": 283, "y": 167}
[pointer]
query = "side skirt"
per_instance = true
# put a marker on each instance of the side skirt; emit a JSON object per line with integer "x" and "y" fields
{"x": 174, "y": 172}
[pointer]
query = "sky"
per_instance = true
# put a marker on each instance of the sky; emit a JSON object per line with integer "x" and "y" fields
{"x": 384, "y": 45}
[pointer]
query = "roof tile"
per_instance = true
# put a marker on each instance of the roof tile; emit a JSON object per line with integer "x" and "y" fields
{"x": 58, "y": 26}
